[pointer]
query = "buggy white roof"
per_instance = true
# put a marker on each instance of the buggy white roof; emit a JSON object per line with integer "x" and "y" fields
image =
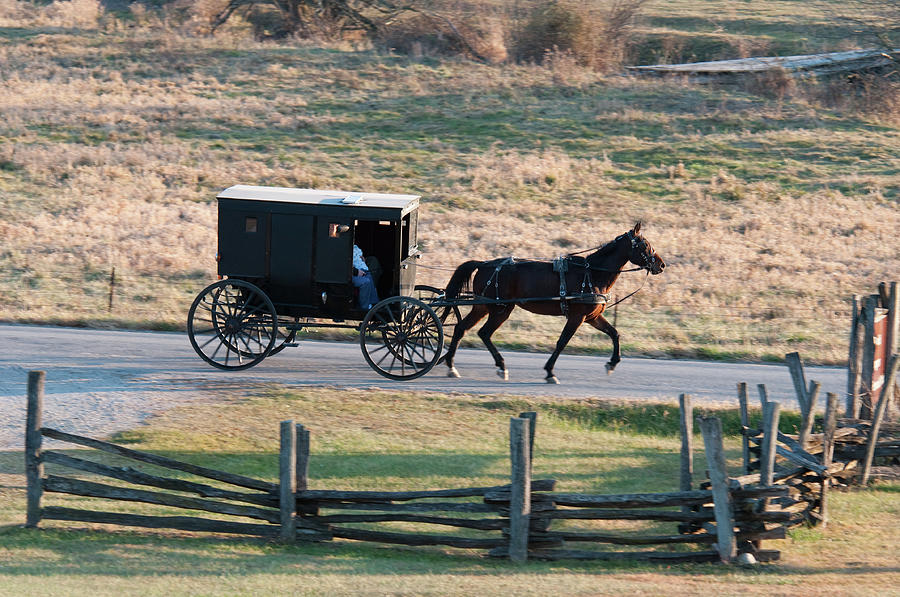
{"x": 319, "y": 197}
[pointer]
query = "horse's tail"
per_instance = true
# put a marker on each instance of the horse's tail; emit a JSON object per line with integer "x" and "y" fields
{"x": 460, "y": 278}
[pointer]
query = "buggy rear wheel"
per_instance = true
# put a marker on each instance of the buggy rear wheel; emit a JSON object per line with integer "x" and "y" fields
{"x": 232, "y": 324}
{"x": 401, "y": 338}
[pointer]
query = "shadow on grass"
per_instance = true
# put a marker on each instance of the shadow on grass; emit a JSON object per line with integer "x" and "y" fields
{"x": 126, "y": 554}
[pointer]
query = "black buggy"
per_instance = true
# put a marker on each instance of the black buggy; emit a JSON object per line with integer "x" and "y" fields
{"x": 285, "y": 263}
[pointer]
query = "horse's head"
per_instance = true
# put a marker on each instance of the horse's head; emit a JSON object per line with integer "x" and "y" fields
{"x": 642, "y": 254}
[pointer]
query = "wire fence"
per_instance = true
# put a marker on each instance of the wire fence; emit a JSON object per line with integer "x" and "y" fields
{"x": 163, "y": 299}
{"x": 95, "y": 288}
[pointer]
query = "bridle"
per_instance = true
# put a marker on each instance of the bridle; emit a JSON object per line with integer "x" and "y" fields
{"x": 648, "y": 261}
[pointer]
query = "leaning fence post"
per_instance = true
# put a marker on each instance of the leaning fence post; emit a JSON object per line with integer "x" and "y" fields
{"x": 287, "y": 481}
{"x": 745, "y": 426}
{"x": 878, "y": 417}
{"x": 892, "y": 339}
{"x": 809, "y": 417}
{"x": 763, "y": 394}
{"x": 768, "y": 447}
{"x": 34, "y": 468}
{"x": 795, "y": 366}
{"x": 718, "y": 477}
{"x": 520, "y": 490}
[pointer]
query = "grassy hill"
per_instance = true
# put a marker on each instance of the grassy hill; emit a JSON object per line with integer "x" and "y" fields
{"x": 771, "y": 205}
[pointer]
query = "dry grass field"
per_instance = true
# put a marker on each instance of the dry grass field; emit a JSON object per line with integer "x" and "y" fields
{"x": 771, "y": 210}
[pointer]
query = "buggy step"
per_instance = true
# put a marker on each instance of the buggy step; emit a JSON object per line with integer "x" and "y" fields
{"x": 291, "y": 344}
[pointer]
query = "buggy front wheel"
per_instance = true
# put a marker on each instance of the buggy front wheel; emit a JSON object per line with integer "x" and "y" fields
{"x": 401, "y": 338}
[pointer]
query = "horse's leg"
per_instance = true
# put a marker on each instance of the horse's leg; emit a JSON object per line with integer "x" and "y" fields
{"x": 571, "y": 326}
{"x": 604, "y": 326}
{"x": 468, "y": 322}
{"x": 498, "y": 315}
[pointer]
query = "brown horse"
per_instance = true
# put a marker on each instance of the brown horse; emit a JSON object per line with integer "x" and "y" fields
{"x": 531, "y": 284}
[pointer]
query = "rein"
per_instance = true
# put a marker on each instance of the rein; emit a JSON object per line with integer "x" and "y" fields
{"x": 628, "y": 296}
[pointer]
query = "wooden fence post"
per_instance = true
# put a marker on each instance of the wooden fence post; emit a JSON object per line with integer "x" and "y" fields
{"x": 745, "y": 426}
{"x": 807, "y": 396}
{"x": 795, "y": 366}
{"x": 287, "y": 481}
{"x": 771, "y": 415}
{"x": 34, "y": 469}
{"x": 718, "y": 476}
{"x": 809, "y": 417}
{"x": 878, "y": 416}
{"x": 112, "y": 288}
{"x": 828, "y": 428}
{"x": 763, "y": 394}
{"x": 302, "y": 458}
{"x": 854, "y": 361}
{"x": 687, "y": 442}
{"x": 532, "y": 425}
{"x": 520, "y": 489}
{"x": 868, "y": 358}
{"x": 892, "y": 338}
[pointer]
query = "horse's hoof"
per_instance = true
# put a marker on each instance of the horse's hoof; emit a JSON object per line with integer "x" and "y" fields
{"x": 452, "y": 372}
{"x": 503, "y": 374}
{"x": 609, "y": 368}
{"x": 551, "y": 379}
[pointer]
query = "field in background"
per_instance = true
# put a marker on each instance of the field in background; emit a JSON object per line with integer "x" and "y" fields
{"x": 377, "y": 440}
{"x": 771, "y": 210}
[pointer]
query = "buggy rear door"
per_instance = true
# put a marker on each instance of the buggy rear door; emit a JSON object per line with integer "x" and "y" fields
{"x": 334, "y": 250}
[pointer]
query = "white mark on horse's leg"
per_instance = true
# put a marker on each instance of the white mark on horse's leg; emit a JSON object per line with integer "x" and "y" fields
{"x": 452, "y": 372}
{"x": 551, "y": 379}
{"x": 503, "y": 374}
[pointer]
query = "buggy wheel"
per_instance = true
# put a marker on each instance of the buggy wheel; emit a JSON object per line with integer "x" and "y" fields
{"x": 448, "y": 314}
{"x": 401, "y": 338}
{"x": 232, "y": 325}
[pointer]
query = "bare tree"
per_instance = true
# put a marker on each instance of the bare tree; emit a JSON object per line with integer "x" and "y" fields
{"x": 303, "y": 17}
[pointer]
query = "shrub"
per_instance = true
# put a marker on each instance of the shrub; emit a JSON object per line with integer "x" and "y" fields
{"x": 874, "y": 94}
{"x": 421, "y": 34}
{"x": 61, "y": 13}
{"x": 598, "y": 38}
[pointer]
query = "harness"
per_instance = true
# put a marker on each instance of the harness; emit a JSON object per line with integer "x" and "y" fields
{"x": 562, "y": 265}
{"x": 494, "y": 279}
{"x": 587, "y": 296}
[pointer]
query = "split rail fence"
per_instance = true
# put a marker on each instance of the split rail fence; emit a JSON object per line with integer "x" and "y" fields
{"x": 723, "y": 518}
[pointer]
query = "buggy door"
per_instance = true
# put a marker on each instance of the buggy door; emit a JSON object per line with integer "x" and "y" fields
{"x": 334, "y": 250}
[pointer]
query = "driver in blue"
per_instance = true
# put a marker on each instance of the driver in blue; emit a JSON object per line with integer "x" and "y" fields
{"x": 363, "y": 280}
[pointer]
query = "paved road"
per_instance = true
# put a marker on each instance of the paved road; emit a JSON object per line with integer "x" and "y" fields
{"x": 101, "y": 381}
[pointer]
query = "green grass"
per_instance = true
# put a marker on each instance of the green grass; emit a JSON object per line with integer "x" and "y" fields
{"x": 377, "y": 440}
